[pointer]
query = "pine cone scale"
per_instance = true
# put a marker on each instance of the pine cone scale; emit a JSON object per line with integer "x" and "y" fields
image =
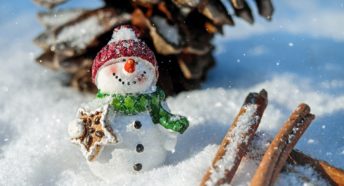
{"x": 178, "y": 31}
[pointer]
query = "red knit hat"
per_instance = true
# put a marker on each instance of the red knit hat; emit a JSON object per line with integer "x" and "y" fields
{"x": 124, "y": 43}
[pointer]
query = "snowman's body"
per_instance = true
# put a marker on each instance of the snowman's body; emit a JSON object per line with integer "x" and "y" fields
{"x": 142, "y": 146}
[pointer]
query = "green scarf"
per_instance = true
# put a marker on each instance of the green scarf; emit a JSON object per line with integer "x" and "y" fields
{"x": 131, "y": 104}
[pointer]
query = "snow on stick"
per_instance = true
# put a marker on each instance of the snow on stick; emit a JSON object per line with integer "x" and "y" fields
{"x": 235, "y": 143}
{"x": 333, "y": 175}
{"x": 277, "y": 153}
{"x": 328, "y": 172}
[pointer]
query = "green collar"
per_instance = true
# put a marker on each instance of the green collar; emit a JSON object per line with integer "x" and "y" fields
{"x": 131, "y": 104}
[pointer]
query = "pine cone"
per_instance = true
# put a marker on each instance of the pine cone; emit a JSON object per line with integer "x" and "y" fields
{"x": 178, "y": 31}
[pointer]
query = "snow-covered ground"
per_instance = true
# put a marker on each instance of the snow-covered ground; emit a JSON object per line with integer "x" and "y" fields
{"x": 298, "y": 57}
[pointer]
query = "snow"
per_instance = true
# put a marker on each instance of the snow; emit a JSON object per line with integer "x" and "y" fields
{"x": 35, "y": 108}
{"x": 304, "y": 173}
{"x": 79, "y": 35}
{"x": 169, "y": 32}
{"x": 58, "y": 18}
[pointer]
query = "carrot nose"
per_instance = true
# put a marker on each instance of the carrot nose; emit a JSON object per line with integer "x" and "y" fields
{"x": 129, "y": 66}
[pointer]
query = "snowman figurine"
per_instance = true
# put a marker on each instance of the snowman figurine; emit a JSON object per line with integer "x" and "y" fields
{"x": 128, "y": 127}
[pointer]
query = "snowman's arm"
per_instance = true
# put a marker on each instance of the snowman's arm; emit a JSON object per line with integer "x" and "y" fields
{"x": 169, "y": 121}
{"x": 170, "y": 138}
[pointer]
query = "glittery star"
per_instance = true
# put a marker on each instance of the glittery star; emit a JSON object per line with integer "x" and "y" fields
{"x": 95, "y": 132}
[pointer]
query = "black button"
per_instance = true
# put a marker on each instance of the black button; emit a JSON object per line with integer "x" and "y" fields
{"x": 139, "y": 148}
{"x": 137, "y": 166}
{"x": 137, "y": 124}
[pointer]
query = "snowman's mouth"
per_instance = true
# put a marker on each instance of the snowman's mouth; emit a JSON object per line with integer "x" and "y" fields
{"x": 138, "y": 78}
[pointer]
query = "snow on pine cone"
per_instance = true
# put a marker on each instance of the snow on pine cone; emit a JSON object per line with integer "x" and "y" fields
{"x": 178, "y": 31}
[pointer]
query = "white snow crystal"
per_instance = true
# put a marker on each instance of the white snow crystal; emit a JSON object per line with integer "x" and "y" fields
{"x": 311, "y": 141}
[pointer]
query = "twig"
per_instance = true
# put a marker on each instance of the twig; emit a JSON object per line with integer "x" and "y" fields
{"x": 235, "y": 143}
{"x": 277, "y": 153}
{"x": 331, "y": 174}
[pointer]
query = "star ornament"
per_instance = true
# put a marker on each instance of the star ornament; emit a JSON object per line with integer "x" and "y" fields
{"x": 91, "y": 132}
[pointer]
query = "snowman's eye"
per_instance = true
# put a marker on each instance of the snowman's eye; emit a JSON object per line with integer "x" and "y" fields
{"x": 124, "y": 60}
{"x": 144, "y": 72}
{"x": 113, "y": 74}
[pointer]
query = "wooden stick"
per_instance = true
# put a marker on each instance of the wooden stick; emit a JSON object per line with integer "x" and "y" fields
{"x": 331, "y": 174}
{"x": 277, "y": 153}
{"x": 235, "y": 143}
